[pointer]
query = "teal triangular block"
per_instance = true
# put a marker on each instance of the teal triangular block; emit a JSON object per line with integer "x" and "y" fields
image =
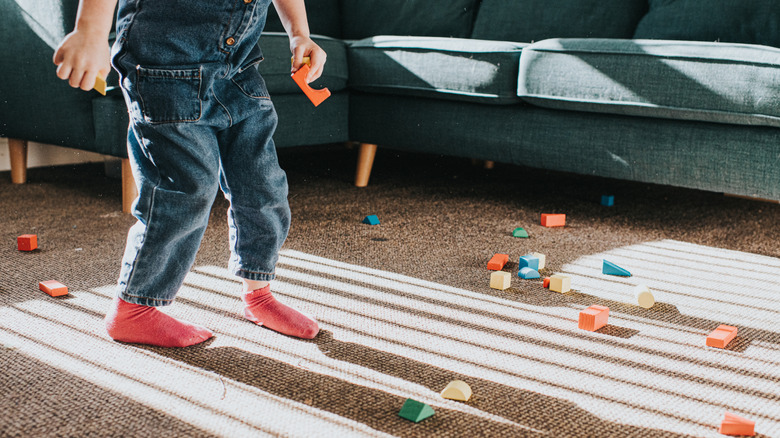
{"x": 415, "y": 411}
{"x": 610, "y": 268}
{"x": 371, "y": 219}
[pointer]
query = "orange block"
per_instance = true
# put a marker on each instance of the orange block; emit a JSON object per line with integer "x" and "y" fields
{"x": 736, "y": 425}
{"x": 497, "y": 262}
{"x": 553, "y": 220}
{"x": 53, "y": 288}
{"x": 594, "y": 318}
{"x": 27, "y": 242}
{"x": 315, "y": 96}
{"x": 546, "y": 282}
{"x": 721, "y": 336}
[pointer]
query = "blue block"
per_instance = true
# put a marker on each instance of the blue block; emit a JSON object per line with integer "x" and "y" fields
{"x": 371, "y": 220}
{"x": 529, "y": 261}
{"x": 528, "y": 273}
{"x": 607, "y": 200}
{"x": 610, "y": 268}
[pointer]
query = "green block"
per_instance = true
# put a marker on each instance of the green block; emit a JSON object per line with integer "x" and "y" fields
{"x": 519, "y": 232}
{"x": 415, "y": 411}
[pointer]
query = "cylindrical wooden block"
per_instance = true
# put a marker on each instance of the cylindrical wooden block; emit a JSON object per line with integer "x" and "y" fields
{"x": 644, "y": 298}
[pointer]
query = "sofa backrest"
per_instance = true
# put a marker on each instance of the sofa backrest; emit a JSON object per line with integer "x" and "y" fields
{"x": 732, "y": 21}
{"x": 442, "y": 18}
{"x": 535, "y": 20}
{"x": 324, "y": 18}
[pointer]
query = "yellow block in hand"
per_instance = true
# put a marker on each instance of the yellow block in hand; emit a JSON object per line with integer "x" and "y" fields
{"x": 100, "y": 85}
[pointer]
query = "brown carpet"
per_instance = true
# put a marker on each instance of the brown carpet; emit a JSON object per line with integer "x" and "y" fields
{"x": 404, "y": 308}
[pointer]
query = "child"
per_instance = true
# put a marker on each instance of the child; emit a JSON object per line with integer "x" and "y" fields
{"x": 200, "y": 118}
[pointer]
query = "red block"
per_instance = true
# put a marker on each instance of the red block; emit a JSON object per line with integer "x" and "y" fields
{"x": 553, "y": 220}
{"x": 53, "y": 288}
{"x": 736, "y": 425}
{"x": 27, "y": 242}
{"x": 497, "y": 262}
{"x": 315, "y": 96}
{"x": 594, "y": 318}
{"x": 721, "y": 336}
{"x": 546, "y": 282}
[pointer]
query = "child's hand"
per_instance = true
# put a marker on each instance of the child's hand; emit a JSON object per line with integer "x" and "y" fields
{"x": 304, "y": 46}
{"x": 81, "y": 57}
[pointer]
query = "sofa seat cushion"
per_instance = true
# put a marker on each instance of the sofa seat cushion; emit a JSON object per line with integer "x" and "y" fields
{"x": 713, "y": 82}
{"x": 448, "y": 68}
{"x": 275, "y": 67}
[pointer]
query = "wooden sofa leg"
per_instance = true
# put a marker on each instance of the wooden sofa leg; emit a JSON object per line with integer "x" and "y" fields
{"x": 17, "y": 150}
{"x": 366, "y": 156}
{"x": 129, "y": 189}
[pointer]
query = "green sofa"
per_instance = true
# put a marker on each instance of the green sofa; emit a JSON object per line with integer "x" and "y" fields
{"x": 676, "y": 92}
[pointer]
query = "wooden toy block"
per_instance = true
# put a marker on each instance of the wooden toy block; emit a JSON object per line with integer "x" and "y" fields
{"x": 546, "y": 282}
{"x": 53, "y": 288}
{"x": 497, "y": 262}
{"x": 100, "y": 85}
{"x": 593, "y": 318}
{"x": 306, "y": 60}
{"x": 27, "y": 242}
{"x": 553, "y": 220}
{"x": 315, "y": 96}
{"x": 500, "y": 280}
{"x": 560, "y": 283}
{"x": 607, "y": 200}
{"x": 610, "y": 268}
{"x": 371, "y": 219}
{"x": 528, "y": 273}
{"x": 520, "y": 232}
{"x": 736, "y": 425}
{"x": 413, "y": 410}
{"x": 721, "y": 336}
{"x": 542, "y": 259}
{"x": 457, "y": 390}
{"x": 528, "y": 261}
{"x": 644, "y": 298}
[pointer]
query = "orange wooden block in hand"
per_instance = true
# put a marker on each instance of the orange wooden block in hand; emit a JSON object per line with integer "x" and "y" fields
{"x": 53, "y": 288}
{"x": 316, "y": 96}
{"x": 27, "y": 242}
{"x": 721, "y": 336}
{"x": 553, "y": 220}
{"x": 594, "y": 318}
{"x": 736, "y": 425}
{"x": 497, "y": 262}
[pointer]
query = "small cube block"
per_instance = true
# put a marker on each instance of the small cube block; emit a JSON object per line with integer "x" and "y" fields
{"x": 737, "y": 426}
{"x": 721, "y": 336}
{"x": 546, "y": 282}
{"x": 560, "y": 283}
{"x": 497, "y": 262}
{"x": 528, "y": 261}
{"x": 528, "y": 273}
{"x": 27, "y": 242}
{"x": 500, "y": 280}
{"x": 371, "y": 219}
{"x": 413, "y": 410}
{"x": 594, "y": 318}
{"x": 457, "y": 390}
{"x": 644, "y": 298}
{"x": 553, "y": 220}
{"x": 53, "y": 288}
{"x": 520, "y": 232}
{"x": 607, "y": 200}
{"x": 100, "y": 85}
{"x": 542, "y": 259}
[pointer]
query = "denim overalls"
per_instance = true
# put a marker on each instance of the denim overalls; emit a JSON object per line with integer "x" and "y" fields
{"x": 200, "y": 118}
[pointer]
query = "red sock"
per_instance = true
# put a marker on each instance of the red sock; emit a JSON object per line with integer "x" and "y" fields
{"x": 263, "y": 309}
{"x": 127, "y": 322}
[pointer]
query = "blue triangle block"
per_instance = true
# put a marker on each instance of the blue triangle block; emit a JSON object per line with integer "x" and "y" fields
{"x": 610, "y": 268}
{"x": 371, "y": 220}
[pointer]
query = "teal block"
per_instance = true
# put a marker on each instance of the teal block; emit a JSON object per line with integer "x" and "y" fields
{"x": 610, "y": 268}
{"x": 520, "y": 232}
{"x": 371, "y": 219}
{"x": 529, "y": 261}
{"x": 413, "y": 410}
{"x": 607, "y": 200}
{"x": 528, "y": 273}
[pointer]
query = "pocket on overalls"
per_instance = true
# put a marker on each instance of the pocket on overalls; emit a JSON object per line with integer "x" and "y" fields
{"x": 169, "y": 95}
{"x": 250, "y": 82}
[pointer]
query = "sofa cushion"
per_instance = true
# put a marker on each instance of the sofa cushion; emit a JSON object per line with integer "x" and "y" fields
{"x": 275, "y": 68}
{"x": 714, "y": 82}
{"x": 743, "y": 21}
{"x": 535, "y": 20}
{"x": 324, "y": 18}
{"x": 462, "y": 69}
{"x": 444, "y": 18}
